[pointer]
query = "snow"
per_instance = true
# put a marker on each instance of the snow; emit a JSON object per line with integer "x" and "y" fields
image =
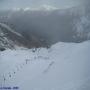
{"x": 64, "y": 66}
{"x": 9, "y": 29}
{"x": 82, "y": 26}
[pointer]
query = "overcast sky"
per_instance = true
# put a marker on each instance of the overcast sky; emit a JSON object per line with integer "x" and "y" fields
{"x": 5, "y": 4}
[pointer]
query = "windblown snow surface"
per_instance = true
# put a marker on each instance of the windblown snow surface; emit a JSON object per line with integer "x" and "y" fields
{"x": 64, "y": 66}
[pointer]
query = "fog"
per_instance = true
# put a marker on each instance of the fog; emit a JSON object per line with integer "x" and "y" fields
{"x": 9, "y": 4}
{"x": 64, "y": 24}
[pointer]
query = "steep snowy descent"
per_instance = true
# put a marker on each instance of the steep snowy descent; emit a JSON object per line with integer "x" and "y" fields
{"x": 65, "y": 66}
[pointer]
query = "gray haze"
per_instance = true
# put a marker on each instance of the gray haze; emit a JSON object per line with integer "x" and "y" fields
{"x": 48, "y": 27}
{"x": 9, "y": 4}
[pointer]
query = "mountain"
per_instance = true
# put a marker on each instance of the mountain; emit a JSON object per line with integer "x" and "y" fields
{"x": 11, "y": 39}
{"x": 51, "y": 25}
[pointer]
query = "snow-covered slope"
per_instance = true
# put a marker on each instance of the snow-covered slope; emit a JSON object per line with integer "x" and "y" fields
{"x": 82, "y": 27}
{"x": 11, "y": 39}
{"x": 65, "y": 66}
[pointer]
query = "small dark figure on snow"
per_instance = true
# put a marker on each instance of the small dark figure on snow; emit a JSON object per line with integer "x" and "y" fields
{"x": 4, "y": 78}
{"x": 27, "y": 61}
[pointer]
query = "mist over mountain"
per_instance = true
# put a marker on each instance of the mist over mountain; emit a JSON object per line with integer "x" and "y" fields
{"x": 46, "y": 26}
{"x": 10, "y": 39}
{"x": 9, "y": 4}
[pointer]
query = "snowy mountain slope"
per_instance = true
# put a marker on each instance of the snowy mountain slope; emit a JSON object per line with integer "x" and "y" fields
{"x": 9, "y": 29}
{"x": 65, "y": 66}
{"x": 11, "y": 39}
{"x": 82, "y": 27}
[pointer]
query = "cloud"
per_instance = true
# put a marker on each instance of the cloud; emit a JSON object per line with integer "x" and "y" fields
{"x": 36, "y": 3}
